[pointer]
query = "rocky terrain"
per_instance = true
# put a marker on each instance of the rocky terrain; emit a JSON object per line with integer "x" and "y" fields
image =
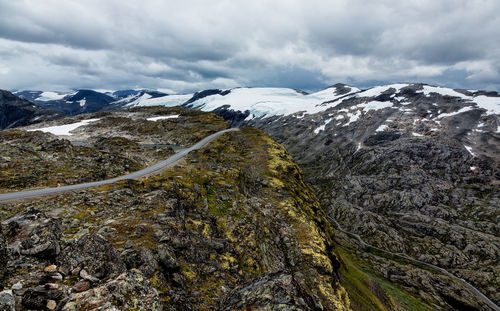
{"x": 115, "y": 145}
{"x": 233, "y": 226}
{"x": 412, "y": 169}
{"x": 15, "y": 111}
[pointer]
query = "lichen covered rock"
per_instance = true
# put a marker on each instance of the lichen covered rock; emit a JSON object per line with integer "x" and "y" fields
{"x": 128, "y": 291}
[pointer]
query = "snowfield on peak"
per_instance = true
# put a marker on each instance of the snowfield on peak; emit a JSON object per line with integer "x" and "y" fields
{"x": 147, "y": 100}
{"x": 378, "y": 90}
{"x": 261, "y": 102}
{"x": 48, "y": 96}
{"x": 428, "y": 89}
{"x": 270, "y": 101}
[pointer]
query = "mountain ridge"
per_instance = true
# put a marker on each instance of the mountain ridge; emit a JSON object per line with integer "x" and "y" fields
{"x": 292, "y": 101}
{"x": 15, "y": 111}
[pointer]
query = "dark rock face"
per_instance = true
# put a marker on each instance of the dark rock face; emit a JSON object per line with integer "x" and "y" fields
{"x": 236, "y": 118}
{"x": 205, "y": 93}
{"x": 142, "y": 259}
{"x": 40, "y": 234}
{"x": 15, "y": 111}
{"x": 7, "y": 301}
{"x": 86, "y": 273}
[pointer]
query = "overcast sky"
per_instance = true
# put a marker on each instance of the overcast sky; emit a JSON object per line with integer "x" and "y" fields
{"x": 182, "y": 46}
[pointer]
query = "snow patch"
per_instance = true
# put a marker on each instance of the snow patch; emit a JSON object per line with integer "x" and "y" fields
{"x": 491, "y": 104}
{"x": 381, "y": 128}
{"x": 82, "y": 102}
{"x": 443, "y": 91}
{"x": 163, "y": 117}
{"x": 401, "y": 100}
{"x": 319, "y": 129}
{"x": 445, "y": 115}
{"x": 64, "y": 129}
{"x": 470, "y": 150}
{"x": 322, "y": 127}
{"x": 374, "y": 105}
{"x": 353, "y": 117}
{"x": 378, "y": 90}
{"x": 47, "y": 96}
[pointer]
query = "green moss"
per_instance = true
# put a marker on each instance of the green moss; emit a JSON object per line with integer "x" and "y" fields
{"x": 188, "y": 272}
{"x": 356, "y": 277}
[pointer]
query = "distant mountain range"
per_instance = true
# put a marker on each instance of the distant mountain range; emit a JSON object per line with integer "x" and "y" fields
{"x": 252, "y": 102}
{"x": 82, "y": 101}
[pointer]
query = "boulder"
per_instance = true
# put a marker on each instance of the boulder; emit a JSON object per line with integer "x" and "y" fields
{"x": 7, "y": 301}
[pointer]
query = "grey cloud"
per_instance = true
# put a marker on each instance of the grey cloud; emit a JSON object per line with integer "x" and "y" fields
{"x": 194, "y": 44}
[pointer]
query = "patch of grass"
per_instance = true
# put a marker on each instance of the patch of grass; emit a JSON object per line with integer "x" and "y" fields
{"x": 356, "y": 277}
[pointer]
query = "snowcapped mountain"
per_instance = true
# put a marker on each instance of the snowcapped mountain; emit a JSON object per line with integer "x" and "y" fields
{"x": 41, "y": 96}
{"x": 268, "y": 102}
{"x": 81, "y": 101}
{"x": 256, "y": 102}
{"x": 87, "y": 101}
{"x": 149, "y": 98}
{"x": 246, "y": 104}
{"x": 383, "y": 114}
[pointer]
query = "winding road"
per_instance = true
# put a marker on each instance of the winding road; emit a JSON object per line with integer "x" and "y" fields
{"x": 485, "y": 299}
{"x": 148, "y": 170}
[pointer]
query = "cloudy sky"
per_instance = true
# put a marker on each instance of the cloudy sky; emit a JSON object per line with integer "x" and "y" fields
{"x": 187, "y": 45}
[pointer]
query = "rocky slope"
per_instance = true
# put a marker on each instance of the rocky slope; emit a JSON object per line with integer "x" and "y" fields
{"x": 233, "y": 226}
{"x": 413, "y": 169}
{"x": 15, "y": 111}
